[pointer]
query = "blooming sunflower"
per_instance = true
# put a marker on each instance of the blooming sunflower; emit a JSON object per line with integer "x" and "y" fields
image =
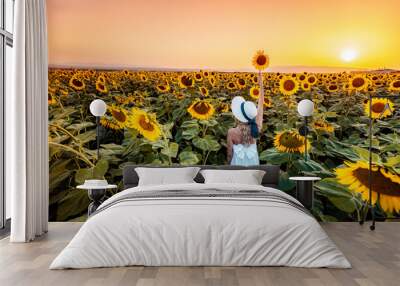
{"x": 109, "y": 123}
{"x": 255, "y": 80}
{"x": 380, "y": 108}
{"x": 101, "y": 87}
{"x": 185, "y": 81}
{"x": 260, "y": 60}
{"x": 143, "y": 77}
{"x": 163, "y": 87}
{"x": 384, "y": 183}
{"x": 146, "y": 124}
{"x": 267, "y": 101}
{"x": 333, "y": 87}
{"x": 120, "y": 116}
{"x": 306, "y": 86}
{"x": 358, "y": 82}
{"x": 198, "y": 76}
{"x": 223, "y": 107}
{"x": 201, "y": 109}
{"x": 323, "y": 125}
{"x": 288, "y": 85}
{"x": 302, "y": 77}
{"x": 241, "y": 83}
{"x": 395, "y": 85}
{"x": 204, "y": 91}
{"x": 212, "y": 80}
{"x": 231, "y": 85}
{"x": 311, "y": 79}
{"x": 290, "y": 142}
{"x": 255, "y": 92}
{"x": 76, "y": 83}
{"x": 101, "y": 79}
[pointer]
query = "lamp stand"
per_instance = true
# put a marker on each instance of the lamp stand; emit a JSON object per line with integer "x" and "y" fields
{"x": 305, "y": 138}
{"x": 303, "y": 131}
{"x": 98, "y": 136}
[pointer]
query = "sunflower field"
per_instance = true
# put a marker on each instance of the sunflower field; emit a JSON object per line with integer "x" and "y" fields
{"x": 169, "y": 118}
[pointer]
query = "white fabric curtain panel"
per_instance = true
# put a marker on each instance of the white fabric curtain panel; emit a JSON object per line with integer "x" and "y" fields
{"x": 27, "y": 122}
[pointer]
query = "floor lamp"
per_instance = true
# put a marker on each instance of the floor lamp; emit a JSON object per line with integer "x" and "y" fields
{"x": 305, "y": 109}
{"x": 98, "y": 108}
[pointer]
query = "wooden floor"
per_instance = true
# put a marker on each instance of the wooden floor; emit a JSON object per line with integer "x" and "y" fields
{"x": 375, "y": 257}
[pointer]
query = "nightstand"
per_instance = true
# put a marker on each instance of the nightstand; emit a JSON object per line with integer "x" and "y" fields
{"x": 96, "y": 195}
{"x": 305, "y": 190}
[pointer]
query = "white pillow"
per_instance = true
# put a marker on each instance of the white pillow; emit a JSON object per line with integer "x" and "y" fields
{"x": 248, "y": 177}
{"x": 166, "y": 176}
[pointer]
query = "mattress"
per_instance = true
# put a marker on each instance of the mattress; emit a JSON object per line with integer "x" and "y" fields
{"x": 201, "y": 225}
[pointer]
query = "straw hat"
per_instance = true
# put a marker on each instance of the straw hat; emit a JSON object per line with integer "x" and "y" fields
{"x": 249, "y": 108}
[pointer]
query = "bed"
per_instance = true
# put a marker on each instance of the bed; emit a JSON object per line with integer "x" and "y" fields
{"x": 198, "y": 224}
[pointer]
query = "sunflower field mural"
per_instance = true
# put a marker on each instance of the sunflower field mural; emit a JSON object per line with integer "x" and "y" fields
{"x": 168, "y": 118}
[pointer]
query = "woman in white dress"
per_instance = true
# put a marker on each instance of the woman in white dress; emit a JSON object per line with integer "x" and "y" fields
{"x": 241, "y": 140}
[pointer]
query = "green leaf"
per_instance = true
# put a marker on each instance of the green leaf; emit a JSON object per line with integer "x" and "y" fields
{"x": 209, "y": 123}
{"x": 344, "y": 204}
{"x": 83, "y": 174}
{"x": 391, "y": 148}
{"x": 188, "y": 158}
{"x": 166, "y": 129}
{"x": 189, "y": 134}
{"x": 74, "y": 204}
{"x": 86, "y": 136}
{"x": 189, "y": 124}
{"x": 190, "y": 129}
{"x": 338, "y": 194}
{"x": 392, "y": 161}
{"x": 311, "y": 166}
{"x": 171, "y": 150}
{"x": 335, "y": 149}
{"x": 274, "y": 157}
{"x": 284, "y": 183}
{"x": 79, "y": 126}
{"x": 208, "y": 143}
{"x": 97, "y": 172}
{"x": 330, "y": 187}
{"x": 100, "y": 169}
{"x": 58, "y": 173}
{"x": 364, "y": 155}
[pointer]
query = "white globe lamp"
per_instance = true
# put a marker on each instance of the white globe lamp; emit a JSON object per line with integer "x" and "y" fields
{"x": 98, "y": 107}
{"x": 305, "y": 107}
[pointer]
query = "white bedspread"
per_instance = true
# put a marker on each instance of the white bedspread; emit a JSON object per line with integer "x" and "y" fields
{"x": 200, "y": 231}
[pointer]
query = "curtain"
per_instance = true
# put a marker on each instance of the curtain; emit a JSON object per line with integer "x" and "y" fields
{"x": 27, "y": 172}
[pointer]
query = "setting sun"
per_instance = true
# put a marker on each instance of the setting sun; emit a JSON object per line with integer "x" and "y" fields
{"x": 348, "y": 55}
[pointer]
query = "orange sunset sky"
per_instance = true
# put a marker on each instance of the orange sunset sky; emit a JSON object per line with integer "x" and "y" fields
{"x": 224, "y": 34}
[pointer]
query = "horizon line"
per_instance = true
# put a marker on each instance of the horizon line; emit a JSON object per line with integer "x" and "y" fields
{"x": 283, "y": 68}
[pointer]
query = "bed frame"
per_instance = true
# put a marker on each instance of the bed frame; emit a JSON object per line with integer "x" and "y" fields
{"x": 270, "y": 179}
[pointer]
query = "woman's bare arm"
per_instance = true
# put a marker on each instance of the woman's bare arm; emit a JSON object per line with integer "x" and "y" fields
{"x": 260, "y": 107}
{"x": 229, "y": 146}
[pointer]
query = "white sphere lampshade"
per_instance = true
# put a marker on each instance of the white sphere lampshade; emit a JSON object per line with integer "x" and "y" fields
{"x": 305, "y": 107}
{"x": 98, "y": 107}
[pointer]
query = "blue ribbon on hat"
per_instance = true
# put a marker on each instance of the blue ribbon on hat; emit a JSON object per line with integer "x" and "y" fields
{"x": 251, "y": 121}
